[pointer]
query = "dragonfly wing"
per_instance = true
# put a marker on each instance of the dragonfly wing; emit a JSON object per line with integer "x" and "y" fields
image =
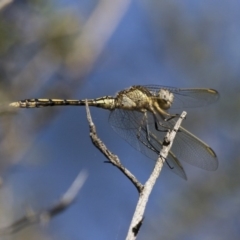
{"x": 187, "y": 147}
{"x": 172, "y": 161}
{"x": 188, "y": 97}
{"x": 194, "y": 151}
{"x": 132, "y": 126}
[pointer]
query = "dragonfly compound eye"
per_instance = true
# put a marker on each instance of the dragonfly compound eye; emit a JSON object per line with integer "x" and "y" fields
{"x": 165, "y": 98}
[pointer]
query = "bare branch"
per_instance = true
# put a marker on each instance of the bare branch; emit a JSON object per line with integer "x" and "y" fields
{"x": 65, "y": 201}
{"x": 146, "y": 189}
{"x": 148, "y": 186}
{"x": 110, "y": 156}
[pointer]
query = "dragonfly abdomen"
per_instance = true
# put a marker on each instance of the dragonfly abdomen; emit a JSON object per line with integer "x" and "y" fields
{"x": 35, "y": 103}
{"x": 104, "y": 102}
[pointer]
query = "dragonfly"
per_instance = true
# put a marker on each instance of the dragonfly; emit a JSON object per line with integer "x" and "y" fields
{"x": 143, "y": 114}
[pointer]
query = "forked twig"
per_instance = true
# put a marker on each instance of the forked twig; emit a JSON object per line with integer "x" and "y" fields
{"x": 144, "y": 190}
{"x": 45, "y": 215}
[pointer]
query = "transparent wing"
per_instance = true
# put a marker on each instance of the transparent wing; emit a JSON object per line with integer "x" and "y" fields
{"x": 188, "y": 97}
{"x": 131, "y": 126}
{"x": 194, "y": 151}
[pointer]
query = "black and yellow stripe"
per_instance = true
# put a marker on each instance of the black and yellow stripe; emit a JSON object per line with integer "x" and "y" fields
{"x": 103, "y": 102}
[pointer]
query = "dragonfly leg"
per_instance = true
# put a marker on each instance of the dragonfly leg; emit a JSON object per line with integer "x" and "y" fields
{"x": 171, "y": 117}
{"x": 169, "y": 164}
{"x": 147, "y": 132}
{"x": 144, "y": 129}
{"x": 147, "y": 129}
{"x": 144, "y": 123}
{"x": 148, "y": 143}
{"x": 158, "y": 123}
{"x": 157, "y": 111}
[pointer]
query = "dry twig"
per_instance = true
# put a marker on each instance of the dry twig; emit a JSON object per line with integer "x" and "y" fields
{"x": 148, "y": 186}
{"x": 144, "y": 190}
{"x": 110, "y": 156}
{"x": 44, "y": 216}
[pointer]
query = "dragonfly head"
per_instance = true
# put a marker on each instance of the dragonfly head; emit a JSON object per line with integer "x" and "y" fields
{"x": 165, "y": 98}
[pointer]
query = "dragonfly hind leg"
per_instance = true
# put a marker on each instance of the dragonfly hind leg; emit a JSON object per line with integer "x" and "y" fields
{"x": 169, "y": 164}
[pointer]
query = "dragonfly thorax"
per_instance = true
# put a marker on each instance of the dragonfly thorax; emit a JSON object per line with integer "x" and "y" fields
{"x": 165, "y": 98}
{"x": 135, "y": 98}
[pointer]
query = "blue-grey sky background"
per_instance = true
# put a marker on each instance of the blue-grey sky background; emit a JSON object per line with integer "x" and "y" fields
{"x": 173, "y": 43}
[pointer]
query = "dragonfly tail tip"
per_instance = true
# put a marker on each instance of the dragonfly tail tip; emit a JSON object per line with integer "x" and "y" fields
{"x": 14, "y": 104}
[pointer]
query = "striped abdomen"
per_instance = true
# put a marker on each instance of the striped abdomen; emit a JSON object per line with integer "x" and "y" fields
{"x": 104, "y": 102}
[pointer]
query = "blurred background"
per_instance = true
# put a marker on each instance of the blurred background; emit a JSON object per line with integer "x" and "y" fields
{"x": 87, "y": 49}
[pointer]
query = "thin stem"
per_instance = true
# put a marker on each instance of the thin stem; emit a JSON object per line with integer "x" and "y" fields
{"x": 148, "y": 186}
